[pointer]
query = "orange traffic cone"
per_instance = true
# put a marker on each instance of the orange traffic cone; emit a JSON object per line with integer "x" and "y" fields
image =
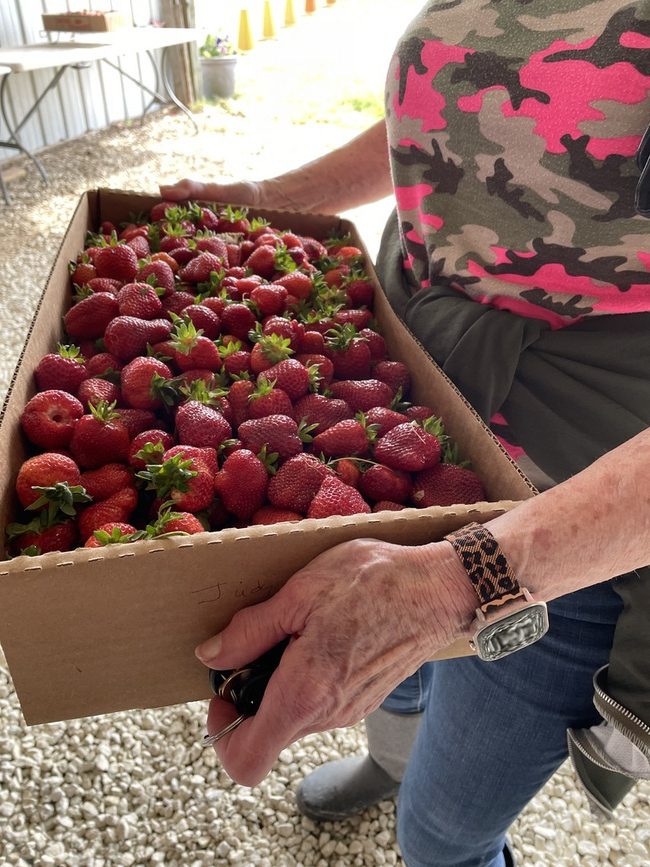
{"x": 289, "y": 14}
{"x": 331, "y": 2}
{"x": 245, "y": 41}
{"x": 268, "y": 30}
{"x": 310, "y": 6}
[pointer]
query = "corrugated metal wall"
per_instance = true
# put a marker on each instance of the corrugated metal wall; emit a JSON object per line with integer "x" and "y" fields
{"x": 84, "y": 99}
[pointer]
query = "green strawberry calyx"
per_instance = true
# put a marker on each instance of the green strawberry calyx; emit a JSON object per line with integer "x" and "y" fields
{"x": 115, "y": 536}
{"x": 104, "y": 411}
{"x": 174, "y": 474}
{"x": 60, "y": 497}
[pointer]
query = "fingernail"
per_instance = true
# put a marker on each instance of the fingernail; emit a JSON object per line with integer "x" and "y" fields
{"x": 209, "y": 649}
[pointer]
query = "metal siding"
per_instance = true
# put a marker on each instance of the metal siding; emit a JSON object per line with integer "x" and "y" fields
{"x": 84, "y": 99}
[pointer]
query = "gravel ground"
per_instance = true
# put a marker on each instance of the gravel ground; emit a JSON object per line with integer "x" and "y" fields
{"x": 137, "y": 788}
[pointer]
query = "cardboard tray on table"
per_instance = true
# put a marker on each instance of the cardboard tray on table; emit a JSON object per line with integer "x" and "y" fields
{"x": 92, "y": 631}
{"x": 78, "y": 22}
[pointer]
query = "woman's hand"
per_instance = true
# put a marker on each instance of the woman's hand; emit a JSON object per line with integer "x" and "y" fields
{"x": 230, "y": 193}
{"x": 363, "y": 616}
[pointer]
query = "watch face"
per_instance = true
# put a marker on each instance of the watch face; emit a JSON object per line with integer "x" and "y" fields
{"x": 512, "y": 632}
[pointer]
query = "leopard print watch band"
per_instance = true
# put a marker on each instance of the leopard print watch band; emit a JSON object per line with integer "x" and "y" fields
{"x": 485, "y": 563}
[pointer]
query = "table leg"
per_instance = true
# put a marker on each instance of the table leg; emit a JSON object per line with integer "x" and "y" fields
{"x": 170, "y": 91}
{"x": 13, "y": 140}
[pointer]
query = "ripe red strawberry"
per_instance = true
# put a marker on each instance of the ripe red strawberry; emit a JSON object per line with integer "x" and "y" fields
{"x": 178, "y": 523}
{"x": 394, "y": 373}
{"x": 187, "y": 482}
{"x": 334, "y": 497}
{"x": 350, "y": 353}
{"x": 177, "y": 302}
{"x": 383, "y": 483}
{"x": 385, "y": 419}
{"x": 82, "y": 271}
{"x": 100, "y": 437}
{"x": 140, "y": 246}
{"x": 157, "y": 273}
{"x": 388, "y": 506}
{"x": 289, "y": 375}
{"x": 88, "y": 319}
{"x": 316, "y": 409}
{"x": 296, "y": 283}
{"x": 119, "y": 262}
{"x": 205, "y": 455}
{"x": 408, "y": 447}
{"x": 325, "y": 366}
{"x": 148, "y": 447}
{"x": 141, "y": 382}
{"x": 269, "y": 299}
{"x": 49, "y": 418}
{"x": 201, "y": 425}
{"x": 236, "y": 361}
{"x": 446, "y": 485}
{"x": 104, "y": 284}
{"x": 158, "y": 211}
{"x": 269, "y": 350}
{"x": 262, "y": 261}
{"x": 101, "y": 363}
{"x": 358, "y": 318}
{"x": 192, "y": 350}
{"x": 137, "y": 420}
{"x": 347, "y": 470}
{"x": 360, "y": 291}
{"x": 237, "y": 319}
{"x": 362, "y": 395}
{"x": 313, "y": 248}
{"x": 290, "y": 329}
{"x": 216, "y": 304}
{"x": 296, "y": 483}
{"x": 376, "y": 343}
{"x": 311, "y": 343}
{"x": 268, "y": 400}
{"x": 44, "y": 471}
{"x": 242, "y": 483}
{"x": 272, "y": 515}
{"x": 278, "y": 433}
{"x": 127, "y": 337}
{"x": 204, "y": 319}
{"x": 344, "y": 439}
{"x": 213, "y": 245}
{"x": 102, "y": 483}
{"x": 41, "y": 537}
{"x": 114, "y": 532}
{"x": 198, "y": 270}
{"x": 238, "y": 395}
{"x": 118, "y": 507}
{"x": 140, "y": 300}
{"x": 94, "y": 389}
{"x": 64, "y": 369}
{"x": 419, "y": 413}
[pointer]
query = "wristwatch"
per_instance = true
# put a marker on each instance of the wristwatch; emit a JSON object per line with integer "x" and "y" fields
{"x": 508, "y": 618}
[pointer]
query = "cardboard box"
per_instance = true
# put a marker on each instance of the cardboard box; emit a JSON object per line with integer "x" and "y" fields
{"x": 91, "y": 631}
{"x": 78, "y": 22}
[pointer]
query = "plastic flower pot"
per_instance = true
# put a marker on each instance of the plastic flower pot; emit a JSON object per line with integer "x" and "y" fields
{"x": 218, "y": 76}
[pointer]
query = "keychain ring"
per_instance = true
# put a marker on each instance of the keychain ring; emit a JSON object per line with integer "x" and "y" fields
{"x": 227, "y": 683}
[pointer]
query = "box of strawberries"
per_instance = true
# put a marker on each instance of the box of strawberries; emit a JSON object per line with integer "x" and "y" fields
{"x": 207, "y": 399}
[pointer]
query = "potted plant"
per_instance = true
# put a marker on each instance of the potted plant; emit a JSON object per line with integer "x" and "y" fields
{"x": 218, "y": 59}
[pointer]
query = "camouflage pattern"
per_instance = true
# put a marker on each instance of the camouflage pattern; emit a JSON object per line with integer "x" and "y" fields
{"x": 513, "y": 126}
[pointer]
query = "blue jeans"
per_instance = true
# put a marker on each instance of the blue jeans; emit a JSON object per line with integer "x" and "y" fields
{"x": 493, "y": 733}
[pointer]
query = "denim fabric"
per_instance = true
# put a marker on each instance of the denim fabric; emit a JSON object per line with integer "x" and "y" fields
{"x": 494, "y": 732}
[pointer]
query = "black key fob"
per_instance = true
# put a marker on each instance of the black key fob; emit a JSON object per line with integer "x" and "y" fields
{"x": 244, "y": 687}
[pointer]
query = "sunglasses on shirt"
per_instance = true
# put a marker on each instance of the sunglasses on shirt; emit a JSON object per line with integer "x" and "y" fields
{"x": 642, "y": 193}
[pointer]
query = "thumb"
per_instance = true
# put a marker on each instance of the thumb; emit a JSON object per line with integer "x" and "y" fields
{"x": 250, "y": 633}
{"x": 181, "y": 190}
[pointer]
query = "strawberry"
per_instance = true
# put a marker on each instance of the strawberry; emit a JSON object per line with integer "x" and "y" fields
{"x": 157, "y": 274}
{"x": 272, "y": 515}
{"x": 148, "y": 447}
{"x": 236, "y": 361}
{"x": 142, "y": 380}
{"x": 140, "y": 300}
{"x": 100, "y": 437}
{"x": 237, "y": 319}
{"x": 290, "y": 329}
{"x": 177, "y": 302}
{"x": 289, "y": 375}
{"x": 44, "y": 471}
{"x": 192, "y": 350}
{"x": 358, "y": 318}
{"x": 408, "y": 447}
{"x": 127, "y": 337}
{"x": 325, "y": 367}
{"x": 82, "y": 271}
{"x": 104, "y": 284}
{"x": 268, "y": 400}
{"x": 383, "y": 483}
{"x": 137, "y": 420}
{"x": 297, "y": 284}
{"x": 296, "y": 483}
{"x": 41, "y": 537}
{"x": 88, "y": 319}
{"x": 313, "y": 248}
{"x": 204, "y": 319}
{"x": 233, "y": 220}
{"x": 118, "y": 261}
{"x": 359, "y": 291}
{"x": 334, "y": 497}
{"x": 345, "y": 438}
{"x": 187, "y": 482}
{"x": 171, "y": 523}
{"x": 49, "y": 418}
{"x": 269, "y": 350}
{"x": 348, "y": 471}
{"x": 388, "y": 506}
{"x": 384, "y": 418}
{"x": 110, "y": 534}
{"x": 350, "y": 353}
{"x": 262, "y": 261}
{"x": 279, "y": 433}
{"x": 201, "y": 425}
{"x": 394, "y": 373}
{"x": 311, "y": 343}
{"x": 202, "y": 454}
{"x": 158, "y": 211}
{"x": 321, "y": 411}
{"x": 362, "y": 395}
{"x": 419, "y": 413}
{"x": 242, "y": 483}
{"x": 101, "y": 364}
{"x": 376, "y": 343}
{"x": 214, "y": 245}
{"x": 102, "y": 483}
{"x": 94, "y": 389}
{"x": 118, "y": 507}
{"x": 140, "y": 246}
{"x": 446, "y": 484}
{"x": 216, "y": 304}
{"x": 198, "y": 270}
{"x": 269, "y": 299}
{"x": 64, "y": 369}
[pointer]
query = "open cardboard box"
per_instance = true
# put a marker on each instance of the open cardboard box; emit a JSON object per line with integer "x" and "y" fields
{"x": 76, "y": 22}
{"x": 92, "y": 631}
